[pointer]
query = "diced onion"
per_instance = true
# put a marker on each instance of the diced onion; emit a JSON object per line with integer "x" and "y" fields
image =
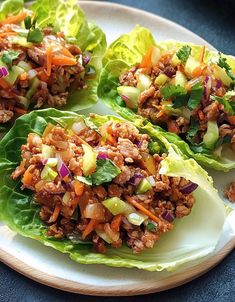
{"x": 114, "y": 236}
{"x": 189, "y": 188}
{"x": 95, "y": 211}
{"x": 62, "y": 168}
{"x": 32, "y": 74}
{"x": 78, "y": 127}
{"x": 151, "y": 181}
{"x": 168, "y": 216}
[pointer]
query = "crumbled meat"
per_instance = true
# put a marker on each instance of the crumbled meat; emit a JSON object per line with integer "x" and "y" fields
{"x": 145, "y": 95}
{"x": 230, "y": 192}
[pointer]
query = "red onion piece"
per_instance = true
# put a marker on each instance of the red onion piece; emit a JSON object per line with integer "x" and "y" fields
{"x": 63, "y": 169}
{"x": 207, "y": 87}
{"x": 189, "y": 188}
{"x": 136, "y": 179}
{"x": 86, "y": 57}
{"x": 125, "y": 98}
{"x": 218, "y": 83}
{"x": 168, "y": 216}
{"x": 102, "y": 155}
{"x": 3, "y": 72}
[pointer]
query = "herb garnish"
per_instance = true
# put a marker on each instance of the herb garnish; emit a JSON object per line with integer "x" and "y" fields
{"x": 183, "y": 53}
{"x": 222, "y": 62}
{"x": 195, "y": 96}
{"x": 35, "y": 35}
{"x": 8, "y": 57}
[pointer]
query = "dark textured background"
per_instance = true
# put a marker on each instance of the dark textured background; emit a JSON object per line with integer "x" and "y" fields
{"x": 214, "y": 21}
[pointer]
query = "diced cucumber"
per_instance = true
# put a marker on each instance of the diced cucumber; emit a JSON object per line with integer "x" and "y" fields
{"x": 143, "y": 186}
{"x": 48, "y": 174}
{"x": 14, "y": 73}
{"x": 161, "y": 79}
{"x": 130, "y": 95}
{"x": 117, "y": 206}
{"x": 89, "y": 160}
{"x": 24, "y": 65}
{"x": 175, "y": 60}
{"x": 136, "y": 218}
{"x": 221, "y": 74}
{"x": 190, "y": 65}
{"x": 52, "y": 162}
{"x": 35, "y": 84}
{"x": 212, "y": 134}
{"x": 143, "y": 82}
{"x": 47, "y": 151}
{"x": 22, "y": 41}
{"x": 180, "y": 79}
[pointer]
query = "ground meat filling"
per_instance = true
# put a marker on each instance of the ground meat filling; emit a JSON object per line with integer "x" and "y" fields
{"x": 74, "y": 209}
{"x": 230, "y": 192}
{"x": 182, "y": 121}
{"x": 46, "y": 72}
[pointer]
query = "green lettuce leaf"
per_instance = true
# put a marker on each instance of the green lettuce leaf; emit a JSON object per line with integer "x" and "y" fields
{"x": 105, "y": 172}
{"x": 193, "y": 237}
{"x": 10, "y": 7}
{"x": 126, "y": 52}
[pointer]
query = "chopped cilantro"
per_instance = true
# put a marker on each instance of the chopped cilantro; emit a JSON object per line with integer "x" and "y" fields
{"x": 8, "y": 57}
{"x": 169, "y": 91}
{"x": 228, "y": 105}
{"x": 151, "y": 226}
{"x": 180, "y": 101}
{"x": 183, "y": 53}
{"x": 222, "y": 62}
{"x": 35, "y": 35}
{"x": 195, "y": 96}
{"x": 194, "y": 127}
{"x": 105, "y": 172}
{"x": 83, "y": 179}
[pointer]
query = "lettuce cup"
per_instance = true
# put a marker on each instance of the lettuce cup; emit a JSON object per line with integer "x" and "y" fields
{"x": 106, "y": 191}
{"x": 46, "y": 60}
{"x": 184, "y": 89}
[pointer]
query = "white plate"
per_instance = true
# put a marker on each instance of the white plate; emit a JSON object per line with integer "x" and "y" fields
{"x": 55, "y": 269}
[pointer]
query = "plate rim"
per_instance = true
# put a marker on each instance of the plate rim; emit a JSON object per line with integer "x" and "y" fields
{"x": 146, "y": 287}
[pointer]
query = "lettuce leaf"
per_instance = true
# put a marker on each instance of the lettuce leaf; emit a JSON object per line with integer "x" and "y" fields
{"x": 193, "y": 237}
{"x": 10, "y": 7}
{"x": 126, "y": 52}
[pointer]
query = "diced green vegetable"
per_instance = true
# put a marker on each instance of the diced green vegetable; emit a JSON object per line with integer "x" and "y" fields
{"x": 48, "y": 174}
{"x": 212, "y": 134}
{"x": 190, "y": 65}
{"x": 84, "y": 180}
{"x": 24, "y": 65}
{"x": 180, "y": 79}
{"x": 89, "y": 160}
{"x": 52, "y": 162}
{"x": 14, "y": 73}
{"x": 9, "y": 56}
{"x": 161, "y": 79}
{"x": 130, "y": 95}
{"x": 34, "y": 86}
{"x": 144, "y": 82}
{"x": 143, "y": 186}
{"x": 22, "y": 41}
{"x": 175, "y": 60}
{"x": 183, "y": 53}
{"x": 136, "y": 218}
{"x": 117, "y": 206}
{"x": 47, "y": 151}
{"x": 151, "y": 226}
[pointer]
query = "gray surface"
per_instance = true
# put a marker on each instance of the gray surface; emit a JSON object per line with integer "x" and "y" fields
{"x": 214, "y": 21}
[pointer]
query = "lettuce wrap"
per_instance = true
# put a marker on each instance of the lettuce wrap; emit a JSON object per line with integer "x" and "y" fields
{"x": 130, "y": 52}
{"x": 44, "y": 19}
{"x": 193, "y": 237}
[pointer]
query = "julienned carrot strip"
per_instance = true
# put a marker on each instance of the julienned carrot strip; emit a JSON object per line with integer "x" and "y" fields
{"x": 63, "y": 60}
{"x": 23, "y": 76}
{"x": 55, "y": 214}
{"x": 146, "y": 60}
{"x": 4, "y": 84}
{"x": 6, "y": 34}
{"x": 89, "y": 228}
{"x": 116, "y": 222}
{"x": 14, "y": 19}
{"x": 66, "y": 52}
{"x": 27, "y": 178}
{"x": 20, "y": 111}
{"x": 149, "y": 214}
{"x": 197, "y": 72}
{"x": 49, "y": 61}
{"x": 202, "y": 53}
{"x": 78, "y": 187}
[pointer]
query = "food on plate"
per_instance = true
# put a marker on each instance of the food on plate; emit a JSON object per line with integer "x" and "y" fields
{"x": 185, "y": 89}
{"x": 45, "y": 59}
{"x": 106, "y": 191}
{"x": 230, "y": 192}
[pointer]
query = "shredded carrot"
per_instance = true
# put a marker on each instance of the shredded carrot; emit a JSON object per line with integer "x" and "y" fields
{"x": 23, "y": 76}
{"x": 63, "y": 60}
{"x": 180, "y": 68}
{"x": 197, "y": 72}
{"x": 146, "y": 60}
{"x": 27, "y": 178}
{"x": 4, "y": 84}
{"x": 89, "y": 228}
{"x": 231, "y": 119}
{"x": 66, "y": 52}
{"x": 142, "y": 209}
{"x": 20, "y": 111}
{"x": 55, "y": 214}
{"x": 42, "y": 75}
{"x": 116, "y": 222}
{"x": 49, "y": 60}
{"x": 14, "y": 19}
{"x": 6, "y": 34}
{"x": 78, "y": 187}
{"x": 202, "y": 53}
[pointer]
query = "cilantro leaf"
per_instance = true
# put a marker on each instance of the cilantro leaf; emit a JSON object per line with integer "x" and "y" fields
{"x": 27, "y": 22}
{"x": 222, "y": 62}
{"x": 223, "y": 140}
{"x": 8, "y": 57}
{"x": 195, "y": 96}
{"x": 194, "y": 127}
{"x": 83, "y": 179}
{"x": 228, "y": 106}
{"x": 180, "y": 101}
{"x": 151, "y": 226}
{"x": 168, "y": 91}
{"x": 105, "y": 172}
{"x": 183, "y": 53}
{"x": 35, "y": 35}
